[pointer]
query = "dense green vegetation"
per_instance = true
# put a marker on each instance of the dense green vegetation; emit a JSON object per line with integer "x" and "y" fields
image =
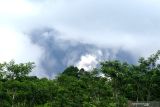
{"x": 112, "y": 84}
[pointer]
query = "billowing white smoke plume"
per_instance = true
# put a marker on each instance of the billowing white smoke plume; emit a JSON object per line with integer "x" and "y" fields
{"x": 89, "y": 61}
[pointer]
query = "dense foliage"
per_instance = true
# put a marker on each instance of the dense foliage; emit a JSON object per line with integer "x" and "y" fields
{"x": 113, "y": 84}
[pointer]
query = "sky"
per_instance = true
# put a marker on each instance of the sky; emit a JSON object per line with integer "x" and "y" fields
{"x": 58, "y": 33}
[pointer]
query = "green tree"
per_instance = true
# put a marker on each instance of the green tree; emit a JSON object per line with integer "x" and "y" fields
{"x": 18, "y": 70}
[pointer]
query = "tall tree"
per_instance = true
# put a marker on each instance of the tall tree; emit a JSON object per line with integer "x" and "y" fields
{"x": 18, "y": 70}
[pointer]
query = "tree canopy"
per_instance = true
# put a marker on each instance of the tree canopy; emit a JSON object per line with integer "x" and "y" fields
{"x": 122, "y": 82}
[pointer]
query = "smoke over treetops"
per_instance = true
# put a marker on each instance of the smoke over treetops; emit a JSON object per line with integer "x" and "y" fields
{"x": 58, "y": 53}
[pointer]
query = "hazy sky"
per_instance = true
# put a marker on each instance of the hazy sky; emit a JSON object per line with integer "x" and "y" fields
{"x": 130, "y": 26}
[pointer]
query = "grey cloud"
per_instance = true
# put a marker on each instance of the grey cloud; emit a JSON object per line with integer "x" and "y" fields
{"x": 122, "y": 29}
{"x": 122, "y": 16}
{"x": 131, "y": 25}
{"x": 59, "y": 53}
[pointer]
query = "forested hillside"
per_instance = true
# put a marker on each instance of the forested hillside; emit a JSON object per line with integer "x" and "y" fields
{"x": 112, "y": 84}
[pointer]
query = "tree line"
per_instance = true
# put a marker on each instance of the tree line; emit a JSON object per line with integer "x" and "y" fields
{"x": 112, "y": 84}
